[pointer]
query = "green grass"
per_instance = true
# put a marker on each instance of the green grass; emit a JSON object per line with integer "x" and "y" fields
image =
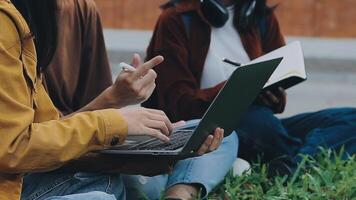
{"x": 328, "y": 177}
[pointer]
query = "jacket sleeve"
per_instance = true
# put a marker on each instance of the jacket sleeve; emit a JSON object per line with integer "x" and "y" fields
{"x": 178, "y": 91}
{"x": 27, "y": 146}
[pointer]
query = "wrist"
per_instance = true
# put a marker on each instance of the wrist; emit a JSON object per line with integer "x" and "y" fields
{"x": 109, "y": 99}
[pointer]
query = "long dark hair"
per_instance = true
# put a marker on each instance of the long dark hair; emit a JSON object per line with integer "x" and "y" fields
{"x": 261, "y": 10}
{"x": 41, "y": 16}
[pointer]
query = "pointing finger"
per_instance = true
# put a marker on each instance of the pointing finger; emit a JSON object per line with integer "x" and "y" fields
{"x": 136, "y": 60}
{"x": 143, "y": 69}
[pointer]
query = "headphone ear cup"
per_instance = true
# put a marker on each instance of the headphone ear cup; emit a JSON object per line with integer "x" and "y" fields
{"x": 215, "y": 12}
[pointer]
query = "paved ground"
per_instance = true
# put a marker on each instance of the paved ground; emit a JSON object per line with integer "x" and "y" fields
{"x": 331, "y": 67}
{"x": 322, "y": 90}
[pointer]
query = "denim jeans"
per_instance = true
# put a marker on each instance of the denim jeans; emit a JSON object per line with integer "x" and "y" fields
{"x": 260, "y": 131}
{"x": 207, "y": 171}
{"x": 330, "y": 128}
{"x": 78, "y": 186}
{"x": 85, "y": 196}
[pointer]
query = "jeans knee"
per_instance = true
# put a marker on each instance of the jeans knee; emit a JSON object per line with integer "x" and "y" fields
{"x": 96, "y": 195}
{"x": 141, "y": 187}
{"x": 231, "y": 139}
{"x": 230, "y": 145}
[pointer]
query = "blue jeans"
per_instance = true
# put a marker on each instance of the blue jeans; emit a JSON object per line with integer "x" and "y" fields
{"x": 207, "y": 171}
{"x": 330, "y": 128}
{"x": 78, "y": 186}
{"x": 260, "y": 131}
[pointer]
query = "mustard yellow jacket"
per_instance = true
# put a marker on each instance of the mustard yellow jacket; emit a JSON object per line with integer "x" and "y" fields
{"x": 33, "y": 138}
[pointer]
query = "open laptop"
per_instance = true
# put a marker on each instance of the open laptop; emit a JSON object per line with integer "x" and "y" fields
{"x": 225, "y": 112}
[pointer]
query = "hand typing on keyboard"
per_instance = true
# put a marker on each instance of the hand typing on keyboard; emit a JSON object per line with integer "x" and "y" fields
{"x": 179, "y": 138}
{"x": 155, "y": 123}
{"x": 150, "y": 122}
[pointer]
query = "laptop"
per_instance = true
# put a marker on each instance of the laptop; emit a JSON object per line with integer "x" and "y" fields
{"x": 232, "y": 102}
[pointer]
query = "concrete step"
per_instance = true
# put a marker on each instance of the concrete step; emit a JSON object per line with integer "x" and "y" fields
{"x": 331, "y": 67}
{"x": 335, "y": 55}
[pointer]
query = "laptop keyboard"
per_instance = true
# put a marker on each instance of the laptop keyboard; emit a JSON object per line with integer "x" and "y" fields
{"x": 177, "y": 140}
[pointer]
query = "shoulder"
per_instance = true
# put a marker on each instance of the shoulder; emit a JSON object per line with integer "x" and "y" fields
{"x": 15, "y": 26}
{"x": 84, "y": 8}
{"x": 9, "y": 35}
{"x": 173, "y": 12}
{"x": 168, "y": 16}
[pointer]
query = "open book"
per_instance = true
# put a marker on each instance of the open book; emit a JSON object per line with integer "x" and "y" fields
{"x": 291, "y": 71}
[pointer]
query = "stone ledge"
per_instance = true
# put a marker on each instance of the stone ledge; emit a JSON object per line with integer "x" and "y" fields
{"x": 331, "y": 65}
{"x": 334, "y": 55}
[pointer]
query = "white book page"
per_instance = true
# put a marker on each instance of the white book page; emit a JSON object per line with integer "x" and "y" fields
{"x": 291, "y": 65}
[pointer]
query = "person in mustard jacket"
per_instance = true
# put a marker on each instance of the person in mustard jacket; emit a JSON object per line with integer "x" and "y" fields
{"x": 33, "y": 135}
{"x": 79, "y": 72}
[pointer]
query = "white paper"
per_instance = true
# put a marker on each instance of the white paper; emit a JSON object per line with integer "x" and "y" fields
{"x": 291, "y": 65}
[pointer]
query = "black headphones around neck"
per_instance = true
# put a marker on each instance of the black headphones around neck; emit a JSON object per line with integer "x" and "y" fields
{"x": 217, "y": 14}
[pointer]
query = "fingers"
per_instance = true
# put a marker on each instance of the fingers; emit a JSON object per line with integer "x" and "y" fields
{"x": 157, "y": 134}
{"x": 282, "y": 92}
{"x": 218, "y": 137}
{"x": 205, "y": 146}
{"x": 275, "y": 100}
{"x": 160, "y": 116}
{"x": 142, "y": 121}
{"x": 272, "y": 97}
{"x": 140, "y": 82}
{"x": 158, "y": 125}
{"x": 144, "y": 87}
{"x": 283, "y": 95}
{"x": 147, "y": 91}
{"x": 148, "y": 79}
{"x": 282, "y": 101}
{"x": 212, "y": 142}
{"x": 143, "y": 69}
{"x": 265, "y": 101}
{"x": 178, "y": 124}
{"x": 136, "y": 60}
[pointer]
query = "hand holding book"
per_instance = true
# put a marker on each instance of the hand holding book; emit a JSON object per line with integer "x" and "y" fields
{"x": 276, "y": 100}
